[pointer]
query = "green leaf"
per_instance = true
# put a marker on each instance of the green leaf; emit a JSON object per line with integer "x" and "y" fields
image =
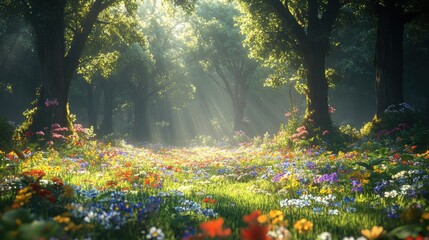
{"x": 38, "y": 230}
{"x": 405, "y": 231}
{"x": 375, "y": 162}
{"x": 365, "y": 165}
{"x": 11, "y": 218}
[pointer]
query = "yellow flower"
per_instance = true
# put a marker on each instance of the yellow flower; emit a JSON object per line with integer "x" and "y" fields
{"x": 276, "y": 217}
{"x": 24, "y": 195}
{"x": 303, "y": 226}
{"x": 61, "y": 219}
{"x": 425, "y": 216}
{"x": 325, "y": 191}
{"x": 378, "y": 170}
{"x": 375, "y": 233}
{"x": 262, "y": 219}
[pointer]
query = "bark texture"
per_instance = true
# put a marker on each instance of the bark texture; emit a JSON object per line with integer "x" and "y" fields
{"x": 389, "y": 56}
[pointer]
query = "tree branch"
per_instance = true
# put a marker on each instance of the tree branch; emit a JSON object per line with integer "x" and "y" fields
{"x": 216, "y": 81}
{"x": 225, "y": 80}
{"x": 284, "y": 13}
{"x": 79, "y": 39}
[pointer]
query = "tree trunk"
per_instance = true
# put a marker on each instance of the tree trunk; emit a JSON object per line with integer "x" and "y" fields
{"x": 389, "y": 57}
{"x": 47, "y": 19}
{"x": 317, "y": 88}
{"x": 141, "y": 126}
{"x": 107, "y": 126}
{"x": 52, "y": 103}
{"x": 92, "y": 110}
{"x": 239, "y": 104}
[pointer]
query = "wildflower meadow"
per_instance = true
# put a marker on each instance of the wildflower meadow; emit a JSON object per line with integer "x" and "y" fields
{"x": 77, "y": 187}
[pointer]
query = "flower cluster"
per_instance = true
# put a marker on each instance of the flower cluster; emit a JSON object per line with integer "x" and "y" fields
{"x": 301, "y": 133}
{"x": 190, "y": 207}
{"x": 24, "y": 195}
{"x": 303, "y": 226}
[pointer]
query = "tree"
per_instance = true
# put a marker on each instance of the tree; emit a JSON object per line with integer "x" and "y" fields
{"x": 295, "y": 34}
{"x": 221, "y": 54}
{"x": 101, "y": 64}
{"x": 154, "y": 68}
{"x": 58, "y": 54}
{"x": 19, "y": 68}
{"x": 392, "y": 16}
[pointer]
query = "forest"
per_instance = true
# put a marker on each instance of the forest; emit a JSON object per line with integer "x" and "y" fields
{"x": 214, "y": 119}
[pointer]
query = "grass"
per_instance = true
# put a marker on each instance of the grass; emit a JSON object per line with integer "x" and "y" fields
{"x": 84, "y": 189}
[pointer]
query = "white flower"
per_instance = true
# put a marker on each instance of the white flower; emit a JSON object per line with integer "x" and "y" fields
{"x": 155, "y": 233}
{"x": 324, "y": 236}
{"x": 391, "y": 194}
{"x": 91, "y": 215}
{"x": 405, "y": 188}
{"x": 399, "y": 175}
{"x": 352, "y": 238}
{"x": 333, "y": 212}
{"x": 280, "y": 233}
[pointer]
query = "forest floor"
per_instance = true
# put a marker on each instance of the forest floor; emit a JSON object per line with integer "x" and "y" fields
{"x": 93, "y": 190}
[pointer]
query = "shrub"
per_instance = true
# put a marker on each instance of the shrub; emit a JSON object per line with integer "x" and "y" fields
{"x": 399, "y": 125}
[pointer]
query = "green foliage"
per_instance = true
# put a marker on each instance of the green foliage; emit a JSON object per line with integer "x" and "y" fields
{"x": 269, "y": 42}
{"x": 399, "y": 125}
{"x": 6, "y": 135}
{"x": 297, "y": 134}
{"x": 20, "y": 224}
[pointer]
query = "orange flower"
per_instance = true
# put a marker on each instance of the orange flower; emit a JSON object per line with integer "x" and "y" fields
{"x": 214, "y": 228}
{"x": 375, "y": 233}
{"x": 35, "y": 173}
{"x": 209, "y": 200}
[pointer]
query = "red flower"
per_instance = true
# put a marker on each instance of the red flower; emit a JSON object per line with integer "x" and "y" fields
{"x": 416, "y": 238}
{"x": 37, "y": 174}
{"x": 209, "y": 200}
{"x": 254, "y": 232}
{"x": 253, "y": 217}
{"x": 214, "y": 228}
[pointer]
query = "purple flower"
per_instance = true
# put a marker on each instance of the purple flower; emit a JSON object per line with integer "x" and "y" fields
{"x": 277, "y": 177}
{"x": 331, "y": 178}
{"x": 357, "y": 187}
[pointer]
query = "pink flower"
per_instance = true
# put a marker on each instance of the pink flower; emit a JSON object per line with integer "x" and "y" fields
{"x": 79, "y": 128}
{"x": 58, "y": 136}
{"x": 40, "y": 133}
{"x": 331, "y": 109}
{"x": 325, "y": 132}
